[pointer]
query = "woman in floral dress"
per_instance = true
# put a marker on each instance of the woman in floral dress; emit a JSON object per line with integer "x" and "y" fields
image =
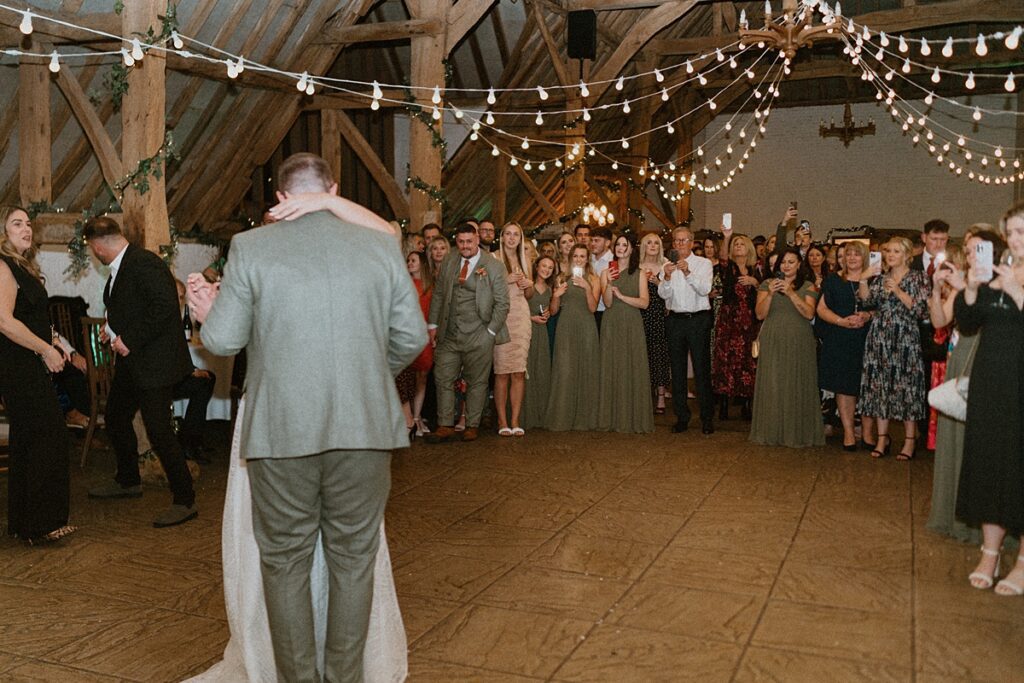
{"x": 736, "y": 327}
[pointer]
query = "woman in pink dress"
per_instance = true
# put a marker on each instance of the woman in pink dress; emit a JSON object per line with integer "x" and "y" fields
{"x": 510, "y": 359}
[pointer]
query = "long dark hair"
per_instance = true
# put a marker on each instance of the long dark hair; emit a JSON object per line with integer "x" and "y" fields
{"x": 803, "y": 271}
{"x": 634, "y": 255}
{"x": 824, "y": 260}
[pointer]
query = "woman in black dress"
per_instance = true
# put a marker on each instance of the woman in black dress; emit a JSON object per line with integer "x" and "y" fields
{"x": 38, "y": 482}
{"x": 991, "y": 492}
{"x": 843, "y": 329}
{"x": 652, "y": 260}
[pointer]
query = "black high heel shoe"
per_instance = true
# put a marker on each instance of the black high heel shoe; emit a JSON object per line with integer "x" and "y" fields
{"x": 412, "y": 433}
{"x": 902, "y": 456}
{"x": 880, "y": 452}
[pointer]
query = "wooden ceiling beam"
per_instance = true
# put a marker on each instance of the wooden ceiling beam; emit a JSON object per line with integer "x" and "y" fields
{"x": 609, "y": 5}
{"x": 92, "y": 125}
{"x": 641, "y": 32}
{"x": 538, "y": 196}
{"x": 57, "y": 34}
{"x": 381, "y": 31}
{"x": 462, "y": 17}
{"x": 909, "y": 18}
{"x": 549, "y": 42}
{"x": 380, "y": 173}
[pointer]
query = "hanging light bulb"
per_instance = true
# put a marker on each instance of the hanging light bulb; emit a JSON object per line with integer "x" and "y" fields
{"x": 936, "y": 76}
{"x": 542, "y": 93}
{"x": 1009, "y": 85}
{"x": 670, "y": 129}
{"x": 584, "y": 90}
{"x": 916, "y": 139}
{"x": 377, "y": 92}
{"x": 619, "y": 84}
{"x": 664, "y": 95}
{"x": 903, "y": 47}
{"x": 700, "y": 151}
{"x": 883, "y": 39}
{"x": 981, "y": 49}
{"x": 977, "y": 114}
{"x": 889, "y": 74}
{"x": 750, "y": 74}
{"x": 929, "y": 99}
{"x": 733, "y": 63}
{"x": 926, "y": 49}
{"x": 129, "y": 61}
{"x": 711, "y": 105}
{"x": 303, "y": 81}
{"x": 586, "y": 115}
{"x": 436, "y": 97}
{"x": 54, "y": 62}
{"x": 528, "y": 166}
{"x": 960, "y": 141}
{"x": 906, "y": 66}
{"x": 615, "y": 166}
{"x": 311, "y": 88}
{"x": 969, "y": 83}
{"x": 525, "y": 144}
{"x": 575, "y": 150}
{"x": 137, "y": 54}
{"x": 880, "y": 55}
{"x": 625, "y": 107}
{"x": 513, "y": 162}
{"x": 491, "y": 99}
{"x": 176, "y": 40}
{"x": 539, "y": 120}
{"x": 702, "y": 79}
{"x": 718, "y": 54}
{"x": 947, "y": 49}
{"x": 232, "y": 69}
{"x": 866, "y": 34}
{"x": 999, "y": 151}
{"x": 625, "y": 143}
{"x": 1013, "y": 38}
{"x": 968, "y": 156}
{"x": 490, "y": 119}
{"x": 689, "y": 67}
{"x": 474, "y": 136}
{"x": 494, "y": 151}
{"x": 658, "y": 76}
{"x": 543, "y": 167}
{"x": 375, "y": 105}
{"x": 26, "y": 23}
{"x": 240, "y": 64}
{"x": 476, "y": 125}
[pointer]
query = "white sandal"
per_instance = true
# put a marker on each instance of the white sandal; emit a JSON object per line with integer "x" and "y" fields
{"x": 518, "y": 431}
{"x": 986, "y": 579}
{"x": 1007, "y": 588}
{"x": 504, "y": 431}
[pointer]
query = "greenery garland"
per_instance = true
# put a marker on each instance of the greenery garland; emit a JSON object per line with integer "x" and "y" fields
{"x": 116, "y": 80}
{"x": 437, "y": 194}
{"x": 151, "y": 166}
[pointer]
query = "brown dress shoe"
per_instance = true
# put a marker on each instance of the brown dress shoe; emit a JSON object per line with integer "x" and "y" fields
{"x": 470, "y": 434}
{"x": 442, "y": 434}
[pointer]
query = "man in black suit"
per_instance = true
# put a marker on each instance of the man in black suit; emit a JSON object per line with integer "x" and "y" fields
{"x": 144, "y": 330}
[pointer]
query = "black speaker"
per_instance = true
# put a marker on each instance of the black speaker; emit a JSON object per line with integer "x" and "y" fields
{"x": 583, "y": 34}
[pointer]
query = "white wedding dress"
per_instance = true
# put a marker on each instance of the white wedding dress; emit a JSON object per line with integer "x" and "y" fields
{"x": 249, "y": 655}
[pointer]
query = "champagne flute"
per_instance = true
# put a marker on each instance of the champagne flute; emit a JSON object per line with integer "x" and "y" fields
{"x": 1006, "y": 260}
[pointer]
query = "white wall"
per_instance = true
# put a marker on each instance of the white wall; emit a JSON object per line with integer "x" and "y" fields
{"x": 880, "y": 180}
{"x": 191, "y": 258}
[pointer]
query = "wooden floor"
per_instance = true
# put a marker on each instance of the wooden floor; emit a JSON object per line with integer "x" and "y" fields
{"x": 565, "y": 557}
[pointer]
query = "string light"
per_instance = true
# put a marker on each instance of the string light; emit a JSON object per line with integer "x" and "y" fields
{"x": 542, "y": 93}
{"x": 26, "y": 23}
{"x": 981, "y": 49}
{"x": 947, "y": 49}
{"x": 127, "y": 58}
{"x": 925, "y": 48}
{"x": 584, "y": 90}
{"x": 54, "y": 62}
{"x": 969, "y": 83}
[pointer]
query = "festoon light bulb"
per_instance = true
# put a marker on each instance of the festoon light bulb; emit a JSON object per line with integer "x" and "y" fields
{"x": 584, "y": 90}
{"x": 947, "y": 49}
{"x": 26, "y": 23}
{"x": 1010, "y": 85}
{"x": 54, "y": 62}
{"x": 1013, "y": 38}
{"x": 969, "y": 83}
{"x": 981, "y": 49}
{"x": 137, "y": 53}
{"x": 542, "y": 93}
{"x": 926, "y": 49}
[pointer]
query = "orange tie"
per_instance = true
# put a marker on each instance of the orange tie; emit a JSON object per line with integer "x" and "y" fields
{"x": 464, "y": 273}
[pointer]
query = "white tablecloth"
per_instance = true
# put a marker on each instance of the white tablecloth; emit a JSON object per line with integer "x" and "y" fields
{"x": 220, "y": 404}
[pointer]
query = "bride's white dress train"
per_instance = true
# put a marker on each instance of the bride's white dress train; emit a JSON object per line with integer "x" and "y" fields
{"x": 249, "y": 655}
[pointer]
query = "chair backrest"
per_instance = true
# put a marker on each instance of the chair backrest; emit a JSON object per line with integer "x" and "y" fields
{"x": 99, "y": 358}
{"x": 62, "y": 320}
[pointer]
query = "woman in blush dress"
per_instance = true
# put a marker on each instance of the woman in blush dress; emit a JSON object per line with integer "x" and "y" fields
{"x": 652, "y": 260}
{"x": 510, "y": 359}
{"x": 893, "y": 384}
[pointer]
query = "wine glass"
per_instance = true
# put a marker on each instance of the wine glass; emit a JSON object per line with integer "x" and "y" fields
{"x": 1006, "y": 260}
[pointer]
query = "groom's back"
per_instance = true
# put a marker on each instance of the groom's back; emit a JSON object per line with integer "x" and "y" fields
{"x": 333, "y": 316}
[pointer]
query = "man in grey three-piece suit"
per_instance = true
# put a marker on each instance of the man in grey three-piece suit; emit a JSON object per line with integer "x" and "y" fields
{"x": 329, "y": 316}
{"x": 467, "y": 318}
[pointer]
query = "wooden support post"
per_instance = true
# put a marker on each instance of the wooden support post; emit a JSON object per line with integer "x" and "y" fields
{"x": 500, "y": 192}
{"x": 142, "y": 120}
{"x": 330, "y": 141}
{"x": 35, "y": 171}
{"x": 428, "y": 53}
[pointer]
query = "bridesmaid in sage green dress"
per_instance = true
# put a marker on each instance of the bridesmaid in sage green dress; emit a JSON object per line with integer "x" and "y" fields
{"x": 572, "y": 404}
{"x": 787, "y": 407}
{"x": 547, "y": 294}
{"x": 624, "y": 400}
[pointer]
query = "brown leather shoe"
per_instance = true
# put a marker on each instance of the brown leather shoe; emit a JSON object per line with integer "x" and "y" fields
{"x": 470, "y": 434}
{"x": 440, "y": 435}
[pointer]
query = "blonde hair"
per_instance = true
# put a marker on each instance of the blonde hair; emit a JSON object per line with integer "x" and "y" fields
{"x": 26, "y": 260}
{"x": 652, "y": 237}
{"x": 520, "y": 257}
{"x": 751, "y": 251}
{"x": 858, "y": 247}
{"x": 906, "y": 245}
{"x": 1016, "y": 210}
{"x": 588, "y": 270}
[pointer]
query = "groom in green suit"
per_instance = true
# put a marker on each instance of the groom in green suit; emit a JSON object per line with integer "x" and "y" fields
{"x": 467, "y": 318}
{"x": 329, "y": 316}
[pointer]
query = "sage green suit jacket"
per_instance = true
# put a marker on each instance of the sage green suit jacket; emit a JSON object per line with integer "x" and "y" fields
{"x": 329, "y": 316}
{"x": 492, "y": 300}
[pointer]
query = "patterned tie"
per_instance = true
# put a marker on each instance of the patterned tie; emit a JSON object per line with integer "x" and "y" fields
{"x": 464, "y": 273}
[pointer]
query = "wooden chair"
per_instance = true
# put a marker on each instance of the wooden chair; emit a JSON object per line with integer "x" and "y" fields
{"x": 99, "y": 360}
{"x": 62, "y": 320}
